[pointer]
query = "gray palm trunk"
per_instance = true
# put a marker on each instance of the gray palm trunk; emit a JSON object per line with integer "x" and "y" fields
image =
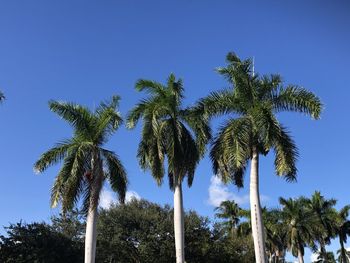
{"x": 300, "y": 256}
{"x": 179, "y": 226}
{"x": 255, "y": 208}
{"x": 91, "y": 233}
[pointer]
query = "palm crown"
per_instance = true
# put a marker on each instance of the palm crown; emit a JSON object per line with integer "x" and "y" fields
{"x": 85, "y": 163}
{"x": 170, "y": 134}
{"x": 255, "y": 100}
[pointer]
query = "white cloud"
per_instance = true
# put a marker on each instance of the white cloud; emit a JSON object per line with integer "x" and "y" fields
{"x": 107, "y": 198}
{"x": 313, "y": 257}
{"x": 130, "y": 195}
{"x": 219, "y": 192}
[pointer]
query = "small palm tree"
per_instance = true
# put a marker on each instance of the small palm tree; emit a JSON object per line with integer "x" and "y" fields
{"x": 326, "y": 216}
{"x": 300, "y": 225}
{"x": 170, "y": 135}
{"x": 343, "y": 231}
{"x": 253, "y": 130}
{"x": 86, "y": 165}
{"x": 231, "y": 212}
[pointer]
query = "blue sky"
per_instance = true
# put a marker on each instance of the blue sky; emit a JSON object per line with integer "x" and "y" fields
{"x": 86, "y": 51}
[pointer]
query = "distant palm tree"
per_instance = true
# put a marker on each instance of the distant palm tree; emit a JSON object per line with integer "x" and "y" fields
{"x": 254, "y": 129}
{"x": 86, "y": 165}
{"x": 171, "y": 135}
{"x": 2, "y": 96}
{"x": 326, "y": 217}
{"x": 231, "y": 212}
{"x": 325, "y": 257}
{"x": 300, "y": 223}
{"x": 343, "y": 231}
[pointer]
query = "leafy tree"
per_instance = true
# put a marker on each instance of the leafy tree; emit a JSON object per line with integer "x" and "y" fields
{"x": 300, "y": 223}
{"x": 70, "y": 224}
{"x": 231, "y": 213}
{"x": 86, "y": 165}
{"x": 171, "y": 135}
{"x": 39, "y": 243}
{"x": 343, "y": 231}
{"x": 326, "y": 218}
{"x": 254, "y": 129}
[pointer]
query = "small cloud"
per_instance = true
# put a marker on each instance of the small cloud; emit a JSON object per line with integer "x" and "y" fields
{"x": 218, "y": 192}
{"x": 130, "y": 195}
{"x": 107, "y": 198}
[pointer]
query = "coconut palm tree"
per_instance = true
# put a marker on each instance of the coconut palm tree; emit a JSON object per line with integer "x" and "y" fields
{"x": 86, "y": 165}
{"x": 171, "y": 135}
{"x": 231, "y": 212}
{"x": 343, "y": 231}
{"x": 300, "y": 225}
{"x": 325, "y": 257}
{"x": 253, "y": 129}
{"x": 326, "y": 217}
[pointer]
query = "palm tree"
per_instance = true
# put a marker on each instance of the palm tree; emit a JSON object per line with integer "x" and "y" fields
{"x": 254, "y": 129}
{"x": 326, "y": 216}
{"x": 325, "y": 257}
{"x": 300, "y": 223}
{"x": 343, "y": 231}
{"x": 168, "y": 137}
{"x": 2, "y": 96}
{"x": 86, "y": 165}
{"x": 231, "y": 212}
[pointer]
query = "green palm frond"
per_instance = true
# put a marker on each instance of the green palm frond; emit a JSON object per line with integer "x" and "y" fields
{"x": 294, "y": 98}
{"x": 116, "y": 174}
{"x": 231, "y": 150}
{"x": 53, "y": 156}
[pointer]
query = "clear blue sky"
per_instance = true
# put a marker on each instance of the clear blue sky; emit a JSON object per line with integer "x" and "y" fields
{"x": 85, "y": 51}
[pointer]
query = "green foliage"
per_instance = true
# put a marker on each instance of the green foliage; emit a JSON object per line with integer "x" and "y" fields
{"x": 86, "y": 165}
{"x": 171, "y": 134}
{"x": 38, "y": 243}
{"x": 141, "y": 231}
{"x": 253, "y": 102}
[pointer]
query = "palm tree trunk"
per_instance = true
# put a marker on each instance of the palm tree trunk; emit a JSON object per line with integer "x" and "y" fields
{"x": 96, "y": 182}
{"x": 90, "y": 236}
{"x": 343, "y": 251}
{"x": 300, "y": 256}
{"x": 255, "y": 208}
{"x": 179, "y": 224}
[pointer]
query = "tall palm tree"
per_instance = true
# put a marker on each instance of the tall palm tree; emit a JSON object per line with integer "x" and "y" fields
{"x": 231, "y": 212}
{"x": 253, "y": 129}
{"x": 300, "y": 223}
{"x": 171, "y": 135}
{"x": 86, "y": 165}
{"x": 326, "y": 216}
{"x": 343, "y": 231}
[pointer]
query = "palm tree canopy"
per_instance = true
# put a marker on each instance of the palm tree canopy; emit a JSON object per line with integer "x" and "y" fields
{"x": 230, "y": 211}
{"x": 170, "y": 133}
{"x": 326, "y": 215}
{"x": 343, "y": 224}
{"x": 300, "y": 223}
{"x": 91, "y": 131}
{"x": 254, "y": 101}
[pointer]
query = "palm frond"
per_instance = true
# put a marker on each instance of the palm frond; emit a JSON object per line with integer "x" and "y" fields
{"x": 294, "y": 98}
{"x": 78, "y": 116}
{"x": 116, "y": 174}
{"x": 53, "y": 156}
{"x": 231, "y": 150}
